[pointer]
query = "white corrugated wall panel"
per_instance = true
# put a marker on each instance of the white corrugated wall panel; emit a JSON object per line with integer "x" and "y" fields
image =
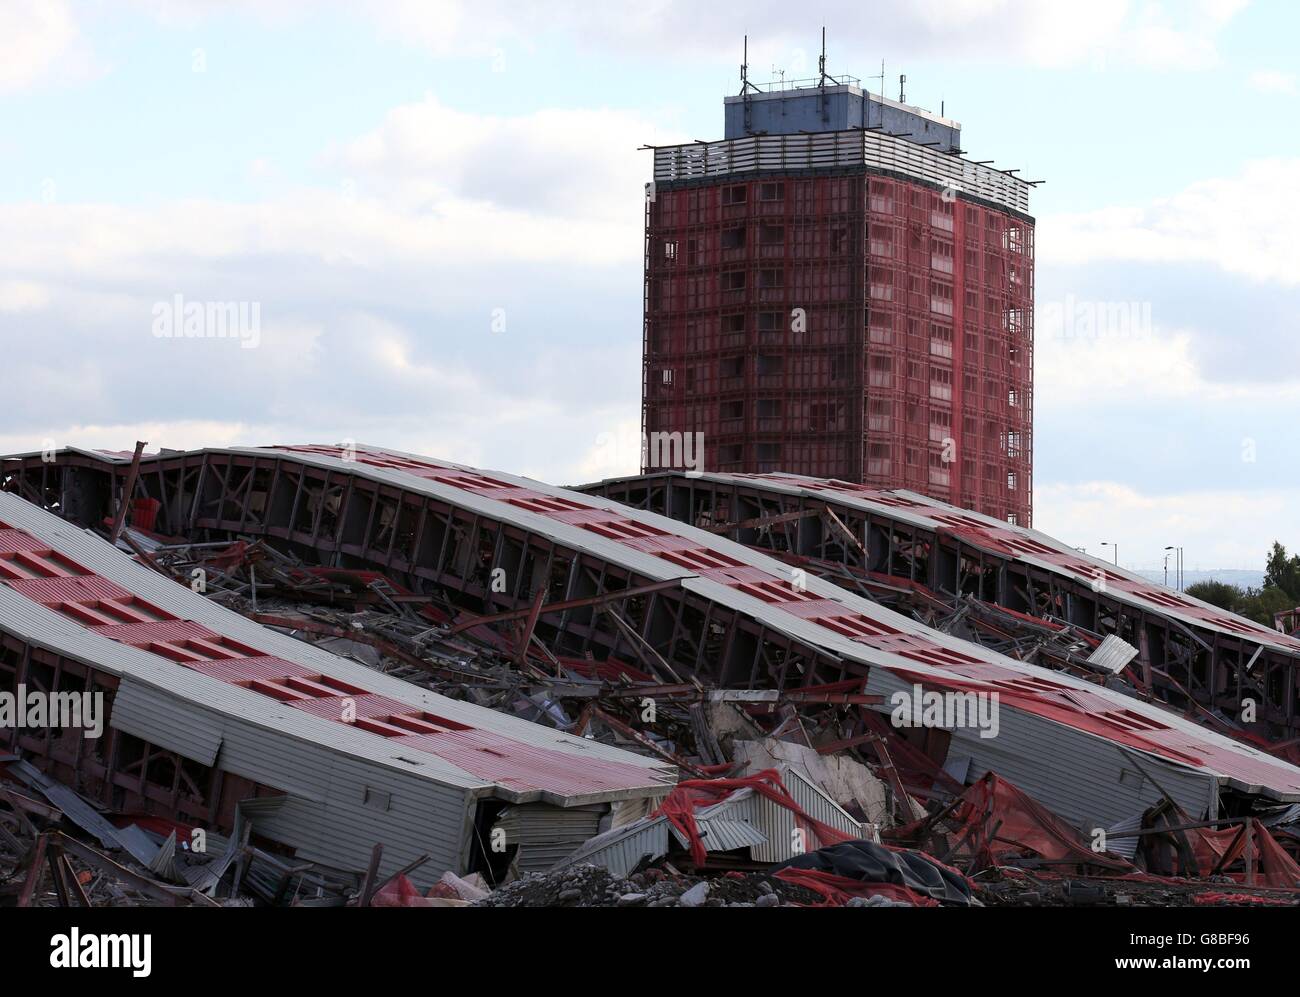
{"x": 1072, "y": 773}
{"x": 162, "y": 719}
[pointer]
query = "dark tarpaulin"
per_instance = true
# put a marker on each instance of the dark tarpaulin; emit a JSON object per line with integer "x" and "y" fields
{"x": 869, "y": 863}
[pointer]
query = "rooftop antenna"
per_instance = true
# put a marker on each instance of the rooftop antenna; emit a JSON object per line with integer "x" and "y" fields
{"x": 902, "y": 80}
{"x": 881, "y": 91}
{"x": 745, "y": 86}
{"x": 821, "y": 79}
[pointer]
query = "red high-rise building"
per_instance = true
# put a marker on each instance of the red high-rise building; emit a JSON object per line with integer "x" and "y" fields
{"x": 832, "y": 290}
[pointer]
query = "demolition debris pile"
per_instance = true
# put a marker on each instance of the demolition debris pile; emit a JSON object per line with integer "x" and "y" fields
{"x": 373, "y": 679}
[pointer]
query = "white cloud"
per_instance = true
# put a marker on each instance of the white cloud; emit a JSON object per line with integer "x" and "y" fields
{"x": 1037, "y": 32}
{"x": 1048, "y": 33}
{"x": 1217, "y": 529}
{"x": 23, "y": 296}
{"x": 570, "y": 164}
{"x": 1158, "y": 365}
{"x": 1077, "y": 371}
{"x": 39, "y": 40}
{"x": 178, "y": 435}
{"x": 1155, "y": 38}
{"x": 1273, "y": 81}
{"x": 615, "y": 451}
{"x": 376, "y": 299}
{"x": 1244, "y": 224}
{"x": 362, "y": 230}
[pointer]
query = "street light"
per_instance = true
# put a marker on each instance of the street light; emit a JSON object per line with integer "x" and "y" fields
{"x": 1107, "y": 543}
{"x": 1178, "y": 566}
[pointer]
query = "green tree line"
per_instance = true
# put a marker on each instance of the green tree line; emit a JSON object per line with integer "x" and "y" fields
{"x": 1280, "y": 591}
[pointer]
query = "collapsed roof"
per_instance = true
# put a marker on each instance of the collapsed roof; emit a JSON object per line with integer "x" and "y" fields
{"x": 692, "y": 603}
{"x": 347, "y": 756}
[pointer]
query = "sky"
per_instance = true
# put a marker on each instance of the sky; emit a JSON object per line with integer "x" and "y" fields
{"x": 431, "y": 213}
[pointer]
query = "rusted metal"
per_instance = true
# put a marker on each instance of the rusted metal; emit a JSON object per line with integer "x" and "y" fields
{"x": 761, "y": 522}
{"x": 645, "y": 742}
{"x": 128, "y": 492}
{"x": 564, "y": 606}
{"x": 34, "y": 871}
{"x": 530, "y": 624}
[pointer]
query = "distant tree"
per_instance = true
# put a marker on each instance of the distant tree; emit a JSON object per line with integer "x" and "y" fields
{"x": 1280, "y": 591}
{"x": 1220, "y": 594}
{"x": 1283, "y": 572}
{"x": 1260, "y": 604}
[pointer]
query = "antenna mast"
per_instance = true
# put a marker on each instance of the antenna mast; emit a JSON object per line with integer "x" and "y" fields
{"x": 745, "y": 87}
{"x": 867, "y": 110}
{"x": 821, "y": 80}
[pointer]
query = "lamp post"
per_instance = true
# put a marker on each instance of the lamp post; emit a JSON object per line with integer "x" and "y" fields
{"x": 1178, "y": 566}
{"x": 1107, "y": 543}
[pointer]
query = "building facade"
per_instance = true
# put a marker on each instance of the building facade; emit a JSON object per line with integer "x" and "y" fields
{"x": 832, "y": 290}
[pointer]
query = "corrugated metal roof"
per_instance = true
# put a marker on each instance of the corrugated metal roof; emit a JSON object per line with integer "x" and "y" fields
{"x": 1020, "y": 542}
{"x": 1113, "y": 654}
{"x": 553, "y": 768}
{"x": 1064, "y": 702}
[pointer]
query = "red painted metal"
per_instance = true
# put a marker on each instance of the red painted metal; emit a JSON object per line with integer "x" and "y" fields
{"x": 1042, "y": 696}
{"x": 87, "y": 599}
{"x": 911, "y": 366}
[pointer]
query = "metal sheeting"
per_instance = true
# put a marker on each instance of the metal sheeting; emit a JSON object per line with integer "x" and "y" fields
{"x": 338, "y": 807}
{"x": 53, "y": 630}
{"x": 778, "y": 824}
{"x": 623, "y": 849}
{"x": 83, "y": 814}
{"x": 280, "y": 723}
{"x": 325, "y": 817}
{"x": 918, "y": 510}
{"x": 744, "y": 820}
{"x": 1125, "y": 847}
{"x": 729, "y": 826}
{"x": 1079, "y": 768}
{"x": 346, "y": 789}
{"x": 1246, "y": 768}
{"x": 545, "y": 834}
{"x": 838, "y": 150}
{"x": 157, "y": 716}
{"x": 1083, "y": 778}
{"x": 1113, "y": 654}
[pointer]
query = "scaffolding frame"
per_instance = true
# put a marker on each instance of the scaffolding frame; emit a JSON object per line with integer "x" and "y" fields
{"x": 845, "y": 325}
